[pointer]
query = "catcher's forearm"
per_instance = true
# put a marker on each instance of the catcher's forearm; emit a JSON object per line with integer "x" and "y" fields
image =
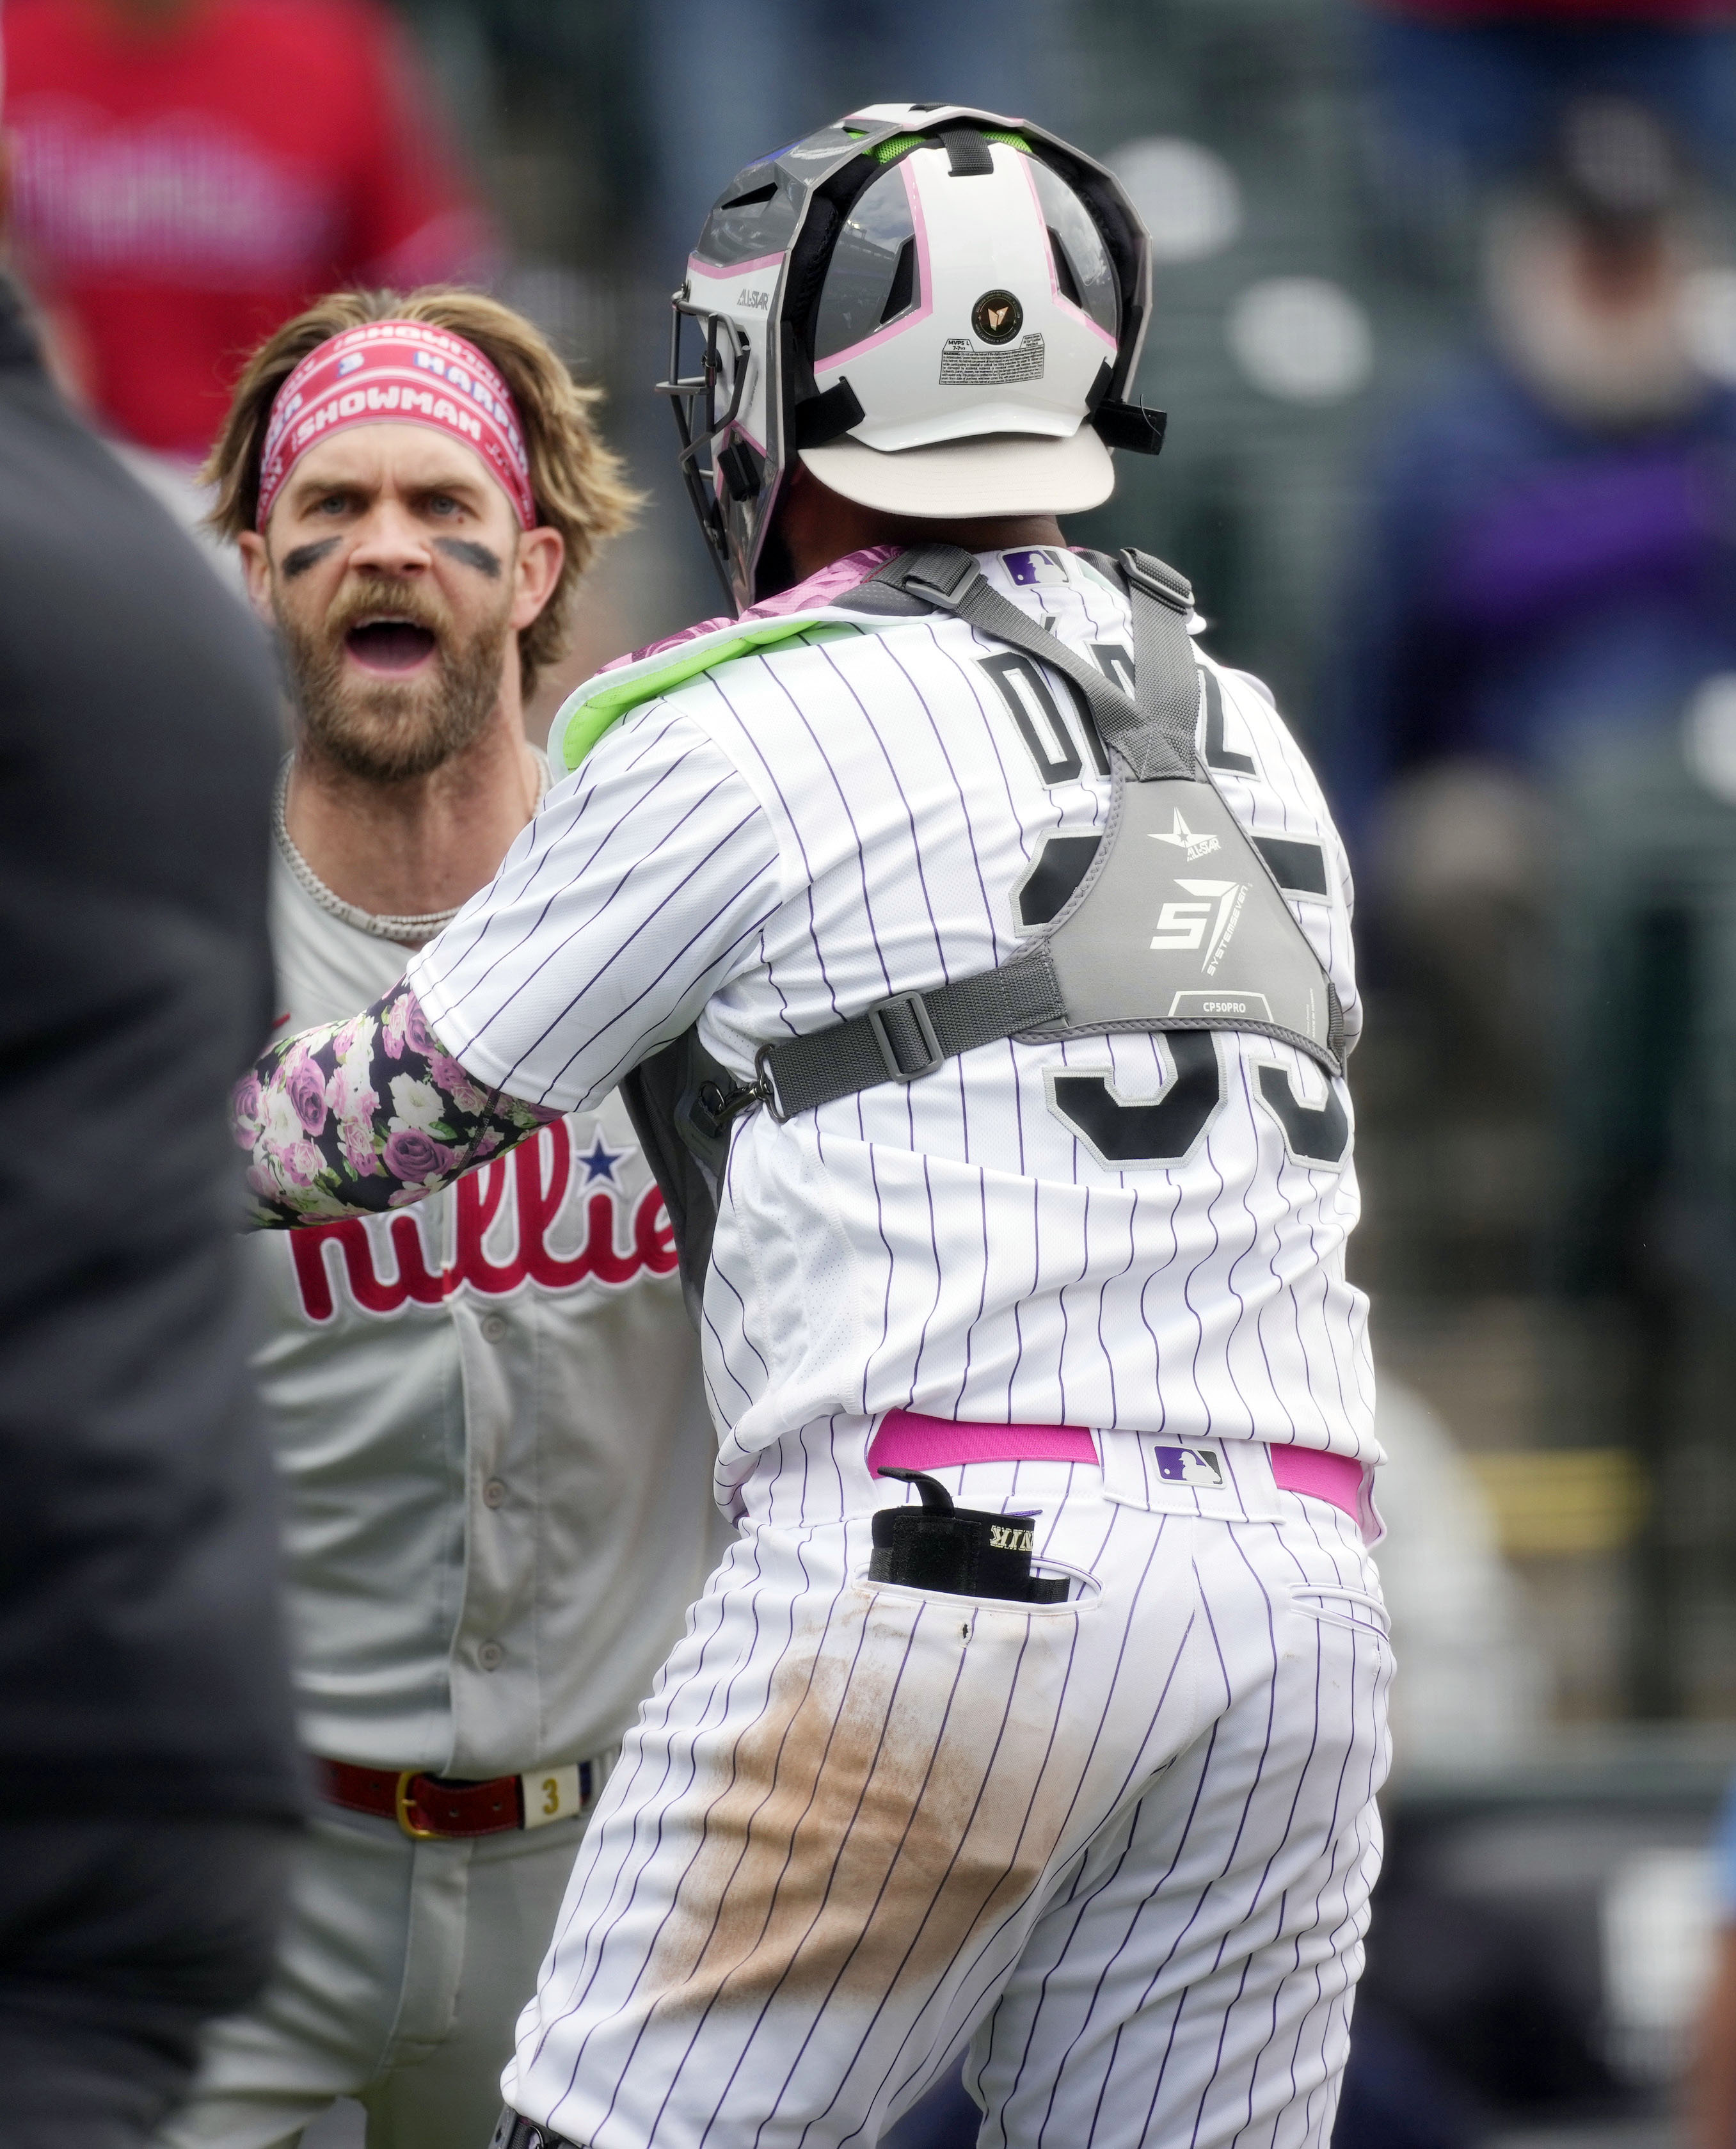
{"x": 365, "y": 1115}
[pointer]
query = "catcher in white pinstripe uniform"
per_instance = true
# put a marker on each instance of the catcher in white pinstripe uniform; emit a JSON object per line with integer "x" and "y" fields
{"x": 974, "y": 953}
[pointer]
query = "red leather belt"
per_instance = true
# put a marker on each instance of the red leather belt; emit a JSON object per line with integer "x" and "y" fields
{"x": 435, "y": 1808}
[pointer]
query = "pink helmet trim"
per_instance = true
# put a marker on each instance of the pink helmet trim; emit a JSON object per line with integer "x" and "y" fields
{"x": 925, "y": 285}
{"x": 1055, "y": 292}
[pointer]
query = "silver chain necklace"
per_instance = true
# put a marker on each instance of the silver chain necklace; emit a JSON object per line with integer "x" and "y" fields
{"x": 408, "y": 932}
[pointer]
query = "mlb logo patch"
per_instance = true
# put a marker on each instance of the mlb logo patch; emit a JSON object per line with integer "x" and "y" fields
{"x": 1027, "y": 569}
{"x": 1190, "y": 1466}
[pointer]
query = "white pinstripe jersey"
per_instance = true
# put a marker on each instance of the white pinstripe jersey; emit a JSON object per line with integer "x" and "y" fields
{"x": 786, "y": 840}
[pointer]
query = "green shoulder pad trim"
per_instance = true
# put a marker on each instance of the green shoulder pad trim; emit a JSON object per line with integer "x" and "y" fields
{"x": 602, "y": 703}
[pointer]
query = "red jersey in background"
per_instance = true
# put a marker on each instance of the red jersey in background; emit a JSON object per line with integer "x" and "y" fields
{"x": 185, "y": 180}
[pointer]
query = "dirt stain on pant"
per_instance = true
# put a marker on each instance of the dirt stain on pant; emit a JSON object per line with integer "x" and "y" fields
{"x": 901, "y": 1791}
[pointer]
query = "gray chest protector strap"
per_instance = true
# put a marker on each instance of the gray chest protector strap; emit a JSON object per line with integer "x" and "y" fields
{"x": 1178, "y": 922}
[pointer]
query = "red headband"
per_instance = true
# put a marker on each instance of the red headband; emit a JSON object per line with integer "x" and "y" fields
{"x": 401, "y": 369}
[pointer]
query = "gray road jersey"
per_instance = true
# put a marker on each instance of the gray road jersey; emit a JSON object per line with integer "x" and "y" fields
{"x": 489, "y": 1417}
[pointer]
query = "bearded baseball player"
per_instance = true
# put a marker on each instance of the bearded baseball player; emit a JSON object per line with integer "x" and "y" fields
{"x": 487, "y": 1410}
{"x": 975, "y": 952}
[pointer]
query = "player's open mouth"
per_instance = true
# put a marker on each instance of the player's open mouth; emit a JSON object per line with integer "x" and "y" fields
{"x": 389, "y": 644}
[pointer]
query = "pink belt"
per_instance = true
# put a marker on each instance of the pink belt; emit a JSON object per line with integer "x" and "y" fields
{"x": 907, "y": 1441}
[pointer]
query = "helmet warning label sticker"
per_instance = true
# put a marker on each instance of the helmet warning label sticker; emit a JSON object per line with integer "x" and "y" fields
{"x": 966, "y": 364}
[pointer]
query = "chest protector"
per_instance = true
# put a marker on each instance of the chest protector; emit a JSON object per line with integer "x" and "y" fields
{"x": 1176, "y": 923}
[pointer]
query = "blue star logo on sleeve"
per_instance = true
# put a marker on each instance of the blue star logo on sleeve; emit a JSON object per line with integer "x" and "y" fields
{"x": 601, "y": 1162}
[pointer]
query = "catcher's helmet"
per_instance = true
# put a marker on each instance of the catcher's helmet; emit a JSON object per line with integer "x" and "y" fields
{"x": 938, "y": 310}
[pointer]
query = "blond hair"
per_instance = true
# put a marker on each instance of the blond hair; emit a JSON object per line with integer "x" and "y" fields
{"x": 577, "y": 481}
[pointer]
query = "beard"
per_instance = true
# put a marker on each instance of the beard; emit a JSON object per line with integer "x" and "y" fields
{"x": 384, "y": 730}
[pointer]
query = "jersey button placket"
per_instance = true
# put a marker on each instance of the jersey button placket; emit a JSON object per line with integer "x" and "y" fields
{"x": 494, "y": 1494}
{"x": 491, "y": 1656}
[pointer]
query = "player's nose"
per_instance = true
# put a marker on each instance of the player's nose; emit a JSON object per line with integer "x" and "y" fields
{"x": 389, "y": 540}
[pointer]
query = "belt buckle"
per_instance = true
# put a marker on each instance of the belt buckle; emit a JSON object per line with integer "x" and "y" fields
{"x": 414, "y": 1830}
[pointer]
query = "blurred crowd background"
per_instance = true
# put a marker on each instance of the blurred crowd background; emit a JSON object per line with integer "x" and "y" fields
{"x": 1446, "y": 322}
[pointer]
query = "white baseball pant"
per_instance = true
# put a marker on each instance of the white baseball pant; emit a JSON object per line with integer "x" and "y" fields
{"x": 1122, "y": 1846}
{"x": 398, "y": 1977}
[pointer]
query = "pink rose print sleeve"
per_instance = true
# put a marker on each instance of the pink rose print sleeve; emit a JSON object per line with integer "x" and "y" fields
{"x": 366, "y": 1114}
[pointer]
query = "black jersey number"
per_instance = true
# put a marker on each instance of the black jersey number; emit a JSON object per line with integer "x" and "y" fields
{"x": 1164, "y": 1129}
{"x": 1025, "y": 691}
{"x": 1024, "y": 686}
{"x": 1313, "y": 1134}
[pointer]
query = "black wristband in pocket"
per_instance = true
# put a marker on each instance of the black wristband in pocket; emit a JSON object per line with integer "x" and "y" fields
{"x": 961, "y": 1552}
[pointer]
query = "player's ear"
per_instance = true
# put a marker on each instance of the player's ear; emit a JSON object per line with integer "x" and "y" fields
{"x": 536, "y": 571}
{"x": 256, "y": 567}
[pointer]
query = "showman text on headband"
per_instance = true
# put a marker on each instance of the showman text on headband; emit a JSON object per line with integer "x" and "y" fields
{"x": 398, "y": 370}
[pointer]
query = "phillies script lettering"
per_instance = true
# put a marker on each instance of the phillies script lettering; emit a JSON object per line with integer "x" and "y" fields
{"x": 538, "y": 1173}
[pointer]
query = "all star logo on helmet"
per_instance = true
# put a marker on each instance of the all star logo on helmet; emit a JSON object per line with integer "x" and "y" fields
{"x": 997, "y": 317}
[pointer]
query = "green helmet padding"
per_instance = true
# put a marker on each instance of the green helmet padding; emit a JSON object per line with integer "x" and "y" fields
{"x": 895, "y": 145}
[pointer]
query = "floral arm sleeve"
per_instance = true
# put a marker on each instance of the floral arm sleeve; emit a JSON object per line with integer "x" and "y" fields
{"x": 367, "y": 1115}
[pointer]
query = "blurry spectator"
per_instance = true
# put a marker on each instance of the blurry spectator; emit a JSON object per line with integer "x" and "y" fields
{"x": 1712, "y": 2087}
{"x": 1546, "y": 602}
{"x": 1480, "y": 83}
{"x": 188, "y": 174}
{"x": 1551, "y": 568}
{"x": 1552, "y": 546}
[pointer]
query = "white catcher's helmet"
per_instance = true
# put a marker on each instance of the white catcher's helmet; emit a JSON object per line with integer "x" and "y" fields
{"x": 938, "y": 309}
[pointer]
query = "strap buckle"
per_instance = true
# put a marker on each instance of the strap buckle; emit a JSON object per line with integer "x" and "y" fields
{"x": 402, "y": 1801}
{"x": 709, "y": 1109}
{"x": 1157, "y": 580}
{"x": 766, "y": 1082}
{"x": 939, "y": 571}
{"x": 913, "y": 1005}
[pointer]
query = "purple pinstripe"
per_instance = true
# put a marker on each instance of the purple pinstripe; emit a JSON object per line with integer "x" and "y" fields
{"x": 1199, "y": 1808}
{"x": 754, "y": 1948}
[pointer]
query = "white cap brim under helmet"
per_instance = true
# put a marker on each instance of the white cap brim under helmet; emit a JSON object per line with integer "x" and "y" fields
{"x": 955, "y": 481}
